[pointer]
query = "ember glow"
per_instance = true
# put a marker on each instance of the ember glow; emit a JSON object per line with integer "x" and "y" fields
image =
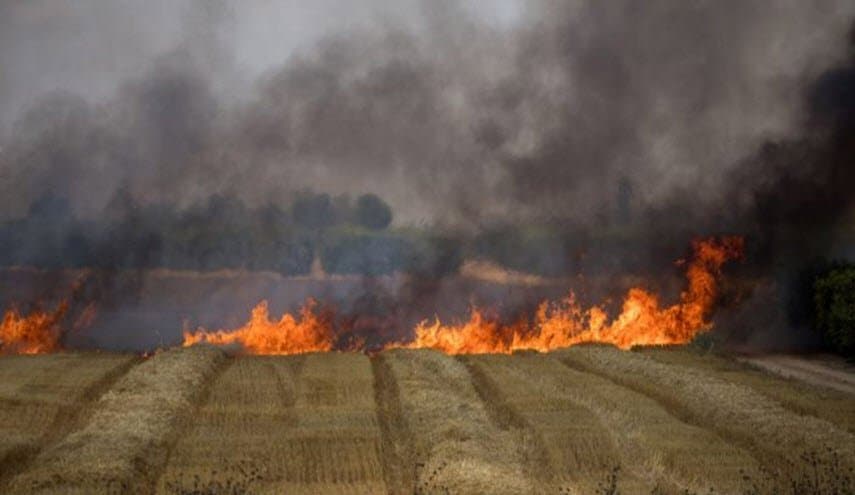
{"x": 34, "y": 333}
{"x": 642, "y": 320}
{"x": 310, "y": 331}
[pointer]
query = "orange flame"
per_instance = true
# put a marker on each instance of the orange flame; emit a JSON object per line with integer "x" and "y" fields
{"x": 642, "y": 320}
{"x": 35, "y": 333}
{"x": 312, "y": 332}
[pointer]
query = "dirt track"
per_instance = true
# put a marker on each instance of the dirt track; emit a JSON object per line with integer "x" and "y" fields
{"x": 193, "y": 421}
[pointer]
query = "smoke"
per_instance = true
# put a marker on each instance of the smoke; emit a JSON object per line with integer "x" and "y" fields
{"x": 794, "y": 197}
{"x": 566, "y": 137}
{"x": 794, "y": 192}
{"x": 460, "y": 120}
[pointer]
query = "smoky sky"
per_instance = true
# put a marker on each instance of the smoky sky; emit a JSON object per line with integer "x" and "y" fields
{"x": 457, "y": 113}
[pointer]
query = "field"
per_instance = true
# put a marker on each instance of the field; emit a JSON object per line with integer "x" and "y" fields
{"x": 589, "y": 419}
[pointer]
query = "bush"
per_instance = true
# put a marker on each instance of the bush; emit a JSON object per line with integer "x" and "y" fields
{"x": 834, "y": 299}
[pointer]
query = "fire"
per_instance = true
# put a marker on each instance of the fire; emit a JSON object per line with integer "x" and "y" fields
{"x": 35, "y": 333}
{"x": 310, "y": 332}
{"x": 642, "y": 319}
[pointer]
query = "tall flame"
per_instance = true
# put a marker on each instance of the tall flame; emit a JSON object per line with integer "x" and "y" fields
{"x": 642, "y": 320}
{"x": 35, "y": 333}
{"x": 311, "y": 332}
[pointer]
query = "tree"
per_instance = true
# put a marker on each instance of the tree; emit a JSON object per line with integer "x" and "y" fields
{"x": 313, "y": 211}
{"x": 834, "y": 296}
{"x": 372, "y": 212}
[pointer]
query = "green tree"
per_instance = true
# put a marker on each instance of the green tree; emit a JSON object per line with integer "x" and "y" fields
{"x": 372, "y": 212}
{"x": 834, "y": 297}
{"x": 313, "y": 211}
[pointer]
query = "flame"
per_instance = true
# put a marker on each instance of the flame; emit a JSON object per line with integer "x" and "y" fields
{"x": 35, "y": 333}
{"x": 311, "y": 332}
{"x": 642, "y": 320}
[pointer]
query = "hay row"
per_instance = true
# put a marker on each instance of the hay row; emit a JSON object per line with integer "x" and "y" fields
{"x": 653, "y": 447}
{"x": 456, "y": 447}
{"x": 578, "y": 452}
{"x": 235, "y": 437}
{"x": 502, "y": 412}
{"x": 337, "y": 419}
{"x": 734, "y": 410}
{"x": 41, "y": 398}
{"x": 295, "y": 424}
{"x": 830, "y": 405}
{"x": 127, "y": 437}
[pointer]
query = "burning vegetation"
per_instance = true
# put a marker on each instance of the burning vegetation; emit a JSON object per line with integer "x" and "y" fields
{"x": 36, "y": 332}
{"x": 642, "y": 320}
{"x": 566, "y": 128}
{"x": 311, "y": 331}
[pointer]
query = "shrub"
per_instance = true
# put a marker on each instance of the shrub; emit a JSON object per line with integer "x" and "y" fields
{"x": 834, "y": 299}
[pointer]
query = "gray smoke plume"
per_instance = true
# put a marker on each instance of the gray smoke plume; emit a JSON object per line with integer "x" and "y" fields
{"x": 455, "y": 119}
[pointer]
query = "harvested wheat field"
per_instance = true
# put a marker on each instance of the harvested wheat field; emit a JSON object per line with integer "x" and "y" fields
{"x": 42, "y": 396}
{"x": 803, "y": 398}
{"x": 590, "y": 419}
{"x": 304, "y": 424}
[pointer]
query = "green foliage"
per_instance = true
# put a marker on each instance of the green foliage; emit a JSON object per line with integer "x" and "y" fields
{"x": 834, "y": 299}
{"x": 222, "y": 231}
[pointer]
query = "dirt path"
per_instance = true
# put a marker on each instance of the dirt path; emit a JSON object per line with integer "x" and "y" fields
{"x": 821, "y": 371}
